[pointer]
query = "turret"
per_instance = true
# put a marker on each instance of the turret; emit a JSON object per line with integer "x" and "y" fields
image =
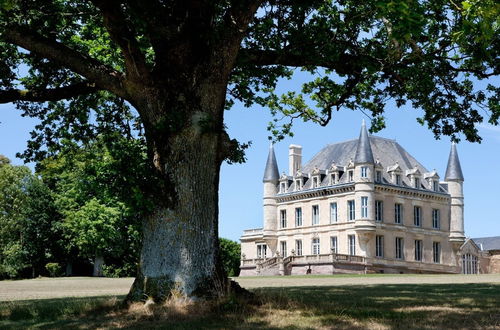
{"x": 364, "y": 165}
{"x": 455, "y": 180}
{"x": 270, "y": 180}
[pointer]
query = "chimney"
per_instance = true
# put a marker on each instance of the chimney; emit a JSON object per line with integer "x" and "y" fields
{"x": 294, "y": 158}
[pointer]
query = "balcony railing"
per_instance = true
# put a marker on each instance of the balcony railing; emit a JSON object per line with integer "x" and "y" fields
{"x": 310, "y": 259}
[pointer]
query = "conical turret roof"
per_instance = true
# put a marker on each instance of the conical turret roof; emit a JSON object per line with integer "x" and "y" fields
{"x": 271, "y": 173}
{"x": 364, "y": 150}
{"x": 453, "y": 169}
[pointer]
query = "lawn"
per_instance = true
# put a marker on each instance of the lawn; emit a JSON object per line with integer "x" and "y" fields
{"x": 284, "y": 303}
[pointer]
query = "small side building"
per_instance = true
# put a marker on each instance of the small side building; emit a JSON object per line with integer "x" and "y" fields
{"x": 489, "y": 251}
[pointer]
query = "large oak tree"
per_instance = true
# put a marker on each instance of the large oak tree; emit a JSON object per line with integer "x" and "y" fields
{"x": 81, "y": 65}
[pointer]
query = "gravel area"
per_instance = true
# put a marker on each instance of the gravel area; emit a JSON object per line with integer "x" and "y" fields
{"x": 46, "y": 288}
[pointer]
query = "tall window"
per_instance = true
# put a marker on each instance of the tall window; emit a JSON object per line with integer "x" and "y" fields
{"x": 351, "y": 176}
{"x": 283, "y": 248}
{"x": 417, "y": 216}
{"x": 298, "y": 217}
{"x": 334, "y": 244}
{"x": 418, "y": 250}
{"x": 399, "y": 248}
{"x": 435, "y": 185}
{"x": 398, "y": 213}
{"x": 364, "y": 207}
{"x": 379, "y": 211}
{"x": 436, "y": 219}
{"x": 333, "y": 212}
{"x": 315, "y": 214}
{"x": 417, "y": 183}
{"x": 315, "y": 246}
{"x": 379, "y": 246}
{"x": 351, "y": 241}
{"x": 378, "y": 176}
{"x": 282, "y": 187}
{"x": 364, "y": 172}
{"x": 398, "y": 179}
{"x": 261, "y": 251}
{"x": 283, "y": 218}
{"x": 351, "y": 210}
{"x": 436, "y": 252}
{"x": 298, "y": 184}
{"x": 298, "y": 247}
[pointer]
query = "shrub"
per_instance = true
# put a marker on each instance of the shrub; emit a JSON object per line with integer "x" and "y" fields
{"x": 54, "y": 269}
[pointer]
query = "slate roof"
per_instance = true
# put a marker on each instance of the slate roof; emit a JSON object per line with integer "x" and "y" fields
{"x": 488, "y": 243}
{"x": 363, "y": 150}
{"x": 271, "y": 173}
{"x": 453, "y": 169}
{"x": 387, "y": 151}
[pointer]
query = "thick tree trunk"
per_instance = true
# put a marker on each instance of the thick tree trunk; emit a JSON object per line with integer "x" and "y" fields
{"x": 180, "y": 236}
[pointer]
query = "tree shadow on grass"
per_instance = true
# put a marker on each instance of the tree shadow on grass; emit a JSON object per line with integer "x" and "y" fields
{"x": 422, "y": 306}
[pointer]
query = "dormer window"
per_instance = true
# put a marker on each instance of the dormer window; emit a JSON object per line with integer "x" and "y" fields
{"x": 364, "y": 172}
{"x": 298, "y": 184}
{"x": 315, "y": 182}
{"x": 398, "y": 179}
{"x": 351, "y": 175}
{"x": 282, "y": 187}
{"x": 332, "y": 179}
{"x": 378, "y": 176}
{"x": 435, "y": 185}
{"x": 417, "y": 183}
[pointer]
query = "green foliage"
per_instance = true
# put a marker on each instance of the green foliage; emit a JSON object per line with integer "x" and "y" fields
{"x": 230, "y": 254}
{"x": 54, "y": 269}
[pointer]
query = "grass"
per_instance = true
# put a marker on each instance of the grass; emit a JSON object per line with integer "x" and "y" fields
{"x": 396, "y": 306}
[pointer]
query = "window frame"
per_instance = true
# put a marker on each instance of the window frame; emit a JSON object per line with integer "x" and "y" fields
{"x": 351, "y": 245}
{"x": 315, "y": 215}
{"x": 436, "y": 252}
{"x": 298, "y": 217}
{"x": 298, "y": 247}
{"x": 351, "y": 210}
{"x": 417, "y": 216}
{"x": 283, "y": 221}
{"x": 398, "y": 213}
{"x": 436, "y": 219}
{"x": 315, "y": 246}
{"x": 419, "y": 249}
{"x": 399, "y": 252}
{"x": 379, "y": 246}
{"x": 334, "y": 212}
{"x": 364, "y": 207}
{"x": 334, "y": 244}
{"x": 379, "y": 211}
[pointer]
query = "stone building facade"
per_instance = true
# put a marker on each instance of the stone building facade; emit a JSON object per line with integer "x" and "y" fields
{"x": 360, "y": 206}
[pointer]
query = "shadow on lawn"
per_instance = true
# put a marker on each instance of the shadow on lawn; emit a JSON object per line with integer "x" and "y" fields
{"x": 439, "y": 306}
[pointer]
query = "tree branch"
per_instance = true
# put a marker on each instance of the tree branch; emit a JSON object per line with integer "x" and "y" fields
{"x": 94, "y": 71}
{"x": 50, "y": 94}
{"x": 124, "y": 36}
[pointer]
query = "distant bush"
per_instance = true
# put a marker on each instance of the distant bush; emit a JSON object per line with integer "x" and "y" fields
{"x": 230, "y": 253}
{"x": 54, "y": 269}
{"x": 127, "y": 270}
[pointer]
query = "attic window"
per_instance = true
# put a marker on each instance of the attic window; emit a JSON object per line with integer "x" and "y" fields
{"x": 378, "y": 176}
{"x": 398, "y": 179}
{"x": 417, "y": 183}
{"x": 332, "y": 179}
{"x": 435, "y": 186}
{"x": 351, "y": 176}
{"x": 364, "y": 172}
{"x": 315, "y": 182}
{"x": 282, "y": 187}
{"x": 298, "y": 184}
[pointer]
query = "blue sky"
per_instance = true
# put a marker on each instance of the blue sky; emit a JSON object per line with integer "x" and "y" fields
{"x": 241, "y": 184}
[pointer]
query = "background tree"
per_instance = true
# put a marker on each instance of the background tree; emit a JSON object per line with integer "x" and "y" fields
{"x": 230, "y": 252}
{"x": 175, "y": 62}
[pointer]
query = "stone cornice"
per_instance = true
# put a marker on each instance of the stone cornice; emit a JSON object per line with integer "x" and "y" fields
{"x": 316, "y": 192}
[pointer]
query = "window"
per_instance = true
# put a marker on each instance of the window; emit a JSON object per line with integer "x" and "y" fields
{"x": 298, "y": 247}
{"x": 298, "y": 184}
{"x": 351, "y": 244}
{"x": 436, "y": 252}
{"x": 283, "y": 187}
{"x": 400, "y": 248}
{"x": 283, "y": 218}
{"x": 417, "y": 216}
{"x": 436, "y": 219}
{"x": 332, "y": 179}
{"x": 351, "y": 211}
{"x": 364, "y": 172}
{"x": 298, "y": 217}
{"x": 378, "y": 176}
{"x": 379, "y": 211}
{"x": 283, "y": 248}
{"x": 315, "y": 182}
{"x": 364, "y": 207}
{"x": 315, "y": 246}
{"x": 418, "y": 250}
{"x": 435, "y": 185}
{"x": 333, "y": 244}
{"x": 398, "y": 213}
{"x": 469, "y": 264}
{"x": 351, "y": 176}
{"x": 261, "y": 251}
{"x": 315, "y": 214}
{"x": 333, "y": 212}
{"x": 379, "y": 246}
{"x": 417, "y": 183}
{"x": 398, "y": 179}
